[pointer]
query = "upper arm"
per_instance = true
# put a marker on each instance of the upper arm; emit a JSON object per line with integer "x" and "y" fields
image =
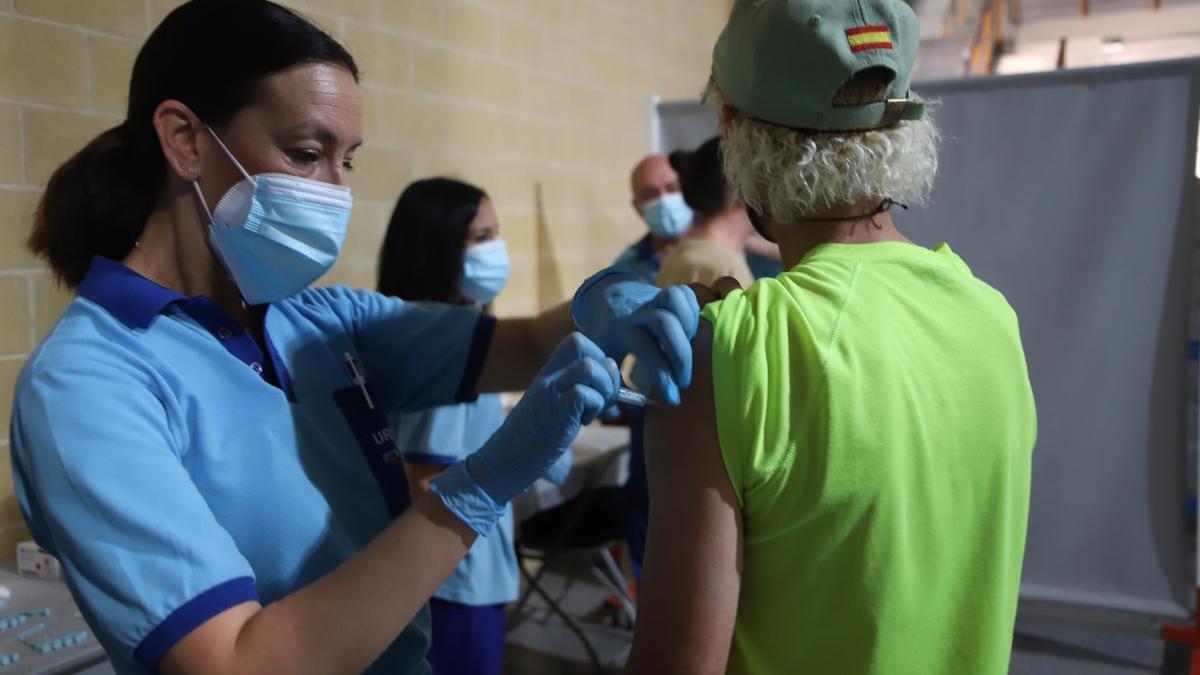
{"x": 688, "y": 599}
{"x": 96, "y": 462}
{"x": 522, "y": 346}
{"x": 210, "y": 648}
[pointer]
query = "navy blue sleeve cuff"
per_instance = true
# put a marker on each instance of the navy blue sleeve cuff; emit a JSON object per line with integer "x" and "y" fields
{"x": 481, "y": 344}
{"x": 190, "y": 616}
{"x": 429, "y": 458}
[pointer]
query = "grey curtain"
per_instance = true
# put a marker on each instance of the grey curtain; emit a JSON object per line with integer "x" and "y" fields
{"x": 1074, "y": 194}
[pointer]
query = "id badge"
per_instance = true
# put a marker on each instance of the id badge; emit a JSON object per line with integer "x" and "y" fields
{"x": 374, "y": 437}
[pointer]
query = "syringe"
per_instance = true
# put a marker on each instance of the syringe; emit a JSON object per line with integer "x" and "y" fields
{"x": 633, "y": 398}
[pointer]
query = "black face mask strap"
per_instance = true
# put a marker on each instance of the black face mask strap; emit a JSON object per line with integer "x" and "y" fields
{"x": 760, "y": 225}
{"x": 884, "y": 207}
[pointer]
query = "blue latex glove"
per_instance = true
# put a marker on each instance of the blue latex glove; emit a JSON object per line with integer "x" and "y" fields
{"x": 576, "y": 384}
{"x": 611, "y": 414}
{"x": 624, "y": 315}
{"x": 561, "y": 468}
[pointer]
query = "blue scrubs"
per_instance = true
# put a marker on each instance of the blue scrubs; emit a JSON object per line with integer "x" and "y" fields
{"x": 443, "y": 436}
{"x": 177, "y": 471}
{"x": 467, "y": 639}
{"x": 468, "y": 610}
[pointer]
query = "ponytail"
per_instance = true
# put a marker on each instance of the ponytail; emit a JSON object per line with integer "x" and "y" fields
{"x": 702, "y": 179}
{"x": 96, "y": 204}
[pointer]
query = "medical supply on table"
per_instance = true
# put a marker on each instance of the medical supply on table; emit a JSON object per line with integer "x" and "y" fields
{"x": 20, "y": 618}
{"x": 57, "y": 642}
{"x": 633, "y": 398}
{"x": 31, "y": 631}
{"x": 40, "y": 629}
{"x": 13, "y": 621}
{"x": 34, "y": 561}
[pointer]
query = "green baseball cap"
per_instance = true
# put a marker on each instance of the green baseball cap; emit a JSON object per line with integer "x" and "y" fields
{"x": 783, "y": 61}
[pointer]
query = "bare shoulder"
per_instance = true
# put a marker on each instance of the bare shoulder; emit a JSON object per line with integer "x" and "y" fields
{"x": 683, "y": 451}
{"x": 696, "y": 413}
{"x": 688, "y": 600}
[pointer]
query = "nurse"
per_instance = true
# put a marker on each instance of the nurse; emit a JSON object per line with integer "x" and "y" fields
{"x": 202, "y": 439}
{"x": 461, "y": 260}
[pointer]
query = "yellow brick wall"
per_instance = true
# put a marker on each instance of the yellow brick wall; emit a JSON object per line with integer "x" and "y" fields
{"x": 543, "y": 103}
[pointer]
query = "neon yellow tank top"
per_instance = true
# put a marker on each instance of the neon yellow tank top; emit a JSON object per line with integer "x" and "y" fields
{"x": 876, "y": 420}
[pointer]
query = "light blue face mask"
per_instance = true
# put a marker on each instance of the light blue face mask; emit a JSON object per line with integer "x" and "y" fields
{"x": 485, "y": 271}
{"x": 668, "y": 216}
{"x": 275, "y": 233}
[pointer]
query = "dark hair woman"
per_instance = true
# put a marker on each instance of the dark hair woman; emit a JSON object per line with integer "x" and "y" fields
{"x": 432, "y": 226}
{"x": 443, "y": 244}
{"x": 202, "y": 439}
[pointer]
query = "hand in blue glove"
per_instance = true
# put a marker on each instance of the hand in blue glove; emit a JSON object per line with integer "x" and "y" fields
{"x": 611, "y": 414}
{"x": 576, "y": 384}
{"x": 624, "y": 315}
{"x": 561, "y": 468}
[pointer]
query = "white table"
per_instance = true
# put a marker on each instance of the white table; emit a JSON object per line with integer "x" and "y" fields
{"x": 601, "y": 459}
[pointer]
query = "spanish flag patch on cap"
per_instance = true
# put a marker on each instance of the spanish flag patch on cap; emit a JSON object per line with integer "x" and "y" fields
{"x": 868, "y": 38}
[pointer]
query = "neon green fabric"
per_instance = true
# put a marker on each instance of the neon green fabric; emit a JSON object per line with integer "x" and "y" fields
{"x": 876, "y": 421}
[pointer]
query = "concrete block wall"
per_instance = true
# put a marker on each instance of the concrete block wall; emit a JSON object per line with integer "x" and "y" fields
{"x": 543, "y": 103}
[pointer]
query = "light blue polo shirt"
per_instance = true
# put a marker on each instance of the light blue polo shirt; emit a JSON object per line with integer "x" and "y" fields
{"x": 443, "y": 436}
{"x": 177, "y": 471}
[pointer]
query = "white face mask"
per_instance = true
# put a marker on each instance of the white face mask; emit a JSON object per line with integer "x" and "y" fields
{"x": 668, "y": 216}
{"x": 485, "y": 271}
{"x": 276, "y": 233}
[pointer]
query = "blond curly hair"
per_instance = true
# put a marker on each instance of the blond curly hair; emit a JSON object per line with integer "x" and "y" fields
{"x": 791, "y": 174}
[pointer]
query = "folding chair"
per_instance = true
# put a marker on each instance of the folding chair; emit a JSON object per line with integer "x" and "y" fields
{"x": 581, "y": 529}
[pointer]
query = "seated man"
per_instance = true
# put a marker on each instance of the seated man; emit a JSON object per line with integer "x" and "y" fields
{"x": 845, "y": 486}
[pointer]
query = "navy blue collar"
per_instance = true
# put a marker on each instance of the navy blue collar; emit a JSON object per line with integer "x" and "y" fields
{"x": 125, "y": 294}
{"x": 644, "y": 250}
{"x": 135, "y": 301}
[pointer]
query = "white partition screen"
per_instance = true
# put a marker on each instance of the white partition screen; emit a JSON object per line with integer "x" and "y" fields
{"x": 1073, "y": 193}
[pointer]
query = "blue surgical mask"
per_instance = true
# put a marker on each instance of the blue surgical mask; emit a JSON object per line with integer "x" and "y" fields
{"x": 668, "y": 216}
{"x": 485, "y": 271}
{"x": 275, "y": 233}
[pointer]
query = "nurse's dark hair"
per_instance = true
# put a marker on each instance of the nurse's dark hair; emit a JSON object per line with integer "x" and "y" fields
{"x": 211, "y": 55}
{"x": 422, "y": 255}
{"x": 702, "y": 179}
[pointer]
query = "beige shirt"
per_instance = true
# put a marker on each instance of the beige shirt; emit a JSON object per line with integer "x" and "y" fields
{"x": 703, "y": 261}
